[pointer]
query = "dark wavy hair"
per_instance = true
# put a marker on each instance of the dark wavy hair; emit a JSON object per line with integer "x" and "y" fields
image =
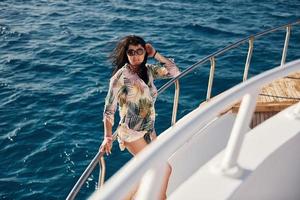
{"x": 119, "y": 57}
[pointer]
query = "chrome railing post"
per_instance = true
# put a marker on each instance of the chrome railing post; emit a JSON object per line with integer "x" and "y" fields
{"x": 211, "y": 77}
{"x": 286, "y": 44}
{"x": 84, "y": 176}
{"x": 102, "y": 170}
{"x": 249, "y": 56}
{"x": 175, "y": 103}
{"x": 229, "y": 164}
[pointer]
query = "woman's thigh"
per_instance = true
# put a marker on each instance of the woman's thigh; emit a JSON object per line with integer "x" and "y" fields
{"x": 136, "y": 146}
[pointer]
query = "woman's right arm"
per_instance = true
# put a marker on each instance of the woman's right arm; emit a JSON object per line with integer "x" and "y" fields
{"x": 107, "y": 141}
{"x": 108, "y": 114}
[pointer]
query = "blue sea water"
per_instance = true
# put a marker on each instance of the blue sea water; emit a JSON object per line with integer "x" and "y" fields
{"x": 54, "y": 75}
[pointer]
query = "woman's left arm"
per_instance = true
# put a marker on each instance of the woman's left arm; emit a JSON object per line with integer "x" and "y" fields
{"x": 166, "y": 69}
{"x": 172, "y": 69}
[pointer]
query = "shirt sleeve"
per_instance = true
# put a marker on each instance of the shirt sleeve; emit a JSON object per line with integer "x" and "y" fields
{"x": 163, "y": 71}
{"x": 111, "y": 99}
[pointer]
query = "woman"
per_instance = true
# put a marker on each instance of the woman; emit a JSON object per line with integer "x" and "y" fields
{"x": 132, "y": 88}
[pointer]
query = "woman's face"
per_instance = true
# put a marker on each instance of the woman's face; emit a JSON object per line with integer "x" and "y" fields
{"x": 136, "y": 54}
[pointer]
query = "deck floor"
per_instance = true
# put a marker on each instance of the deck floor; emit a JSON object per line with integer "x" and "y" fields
{"x": 279, "y": 94}
{"x": 275, "y": 97}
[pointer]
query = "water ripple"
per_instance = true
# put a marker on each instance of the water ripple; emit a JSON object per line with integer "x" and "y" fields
{"x": 54, "y": 75}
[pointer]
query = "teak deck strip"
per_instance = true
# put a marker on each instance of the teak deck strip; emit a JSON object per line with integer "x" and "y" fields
{"x": 273, "y": 98}
{"x": 282, "y": 93}
{"x": 259, "y": 117}
{"x": 278, "y": 95}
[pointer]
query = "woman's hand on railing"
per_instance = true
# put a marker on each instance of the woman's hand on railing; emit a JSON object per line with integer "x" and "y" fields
{"x": 106, "y": 145}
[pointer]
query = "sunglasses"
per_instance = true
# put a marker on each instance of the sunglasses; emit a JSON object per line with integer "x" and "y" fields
{"x": 131, "y": 52}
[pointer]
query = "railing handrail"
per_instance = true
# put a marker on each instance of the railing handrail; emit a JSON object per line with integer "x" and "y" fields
{"x": 211, "y": 57}
{"x": 221, "y": 51}
{"x": 98, "y": 158}
{"x": 85, "y": 175}
{"x": 172, "y": 139}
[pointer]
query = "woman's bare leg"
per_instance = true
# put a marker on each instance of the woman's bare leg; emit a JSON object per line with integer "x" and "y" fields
{"x": 163, "y": 191}
{"x": 134, "y": 148}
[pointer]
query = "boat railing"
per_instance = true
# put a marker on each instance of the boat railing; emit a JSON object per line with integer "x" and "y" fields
{"x": 147, "y": 169}
{"x": 99, "y": 156}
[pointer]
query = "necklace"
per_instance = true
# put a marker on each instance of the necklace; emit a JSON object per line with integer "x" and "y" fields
{"x": 136, "y": 69}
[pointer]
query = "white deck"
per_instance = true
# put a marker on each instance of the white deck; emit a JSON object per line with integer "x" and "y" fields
{"x": 199, "y": 149}
{"x": 269, "y": 157}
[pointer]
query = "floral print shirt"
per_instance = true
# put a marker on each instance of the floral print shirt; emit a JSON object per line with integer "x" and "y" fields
{"x": 135, "y": 99}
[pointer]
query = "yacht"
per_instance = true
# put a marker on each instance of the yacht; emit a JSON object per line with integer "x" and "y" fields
{"x": 241, "y": 144}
